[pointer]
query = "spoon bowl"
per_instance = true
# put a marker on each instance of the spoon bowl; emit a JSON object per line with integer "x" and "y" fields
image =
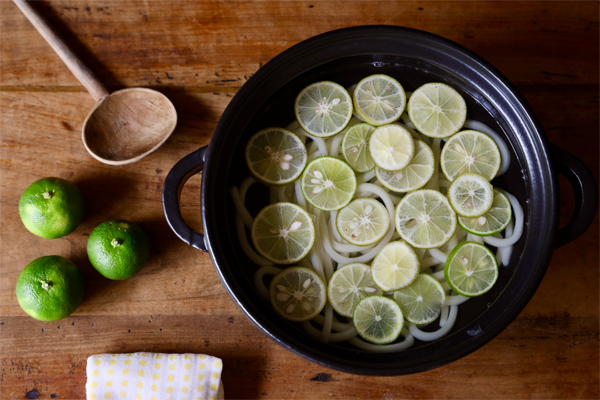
{"x": 124, "y": 126}
{"x": 127, "y": 125}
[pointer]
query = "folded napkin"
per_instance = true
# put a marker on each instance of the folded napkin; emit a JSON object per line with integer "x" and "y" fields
{"x": 154, "y": 376}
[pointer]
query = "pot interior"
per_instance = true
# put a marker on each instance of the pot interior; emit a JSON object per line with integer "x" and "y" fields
{"x": 258, "y": 108}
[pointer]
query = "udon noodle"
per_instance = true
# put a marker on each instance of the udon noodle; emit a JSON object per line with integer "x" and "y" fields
{"x": 330, "y": 251}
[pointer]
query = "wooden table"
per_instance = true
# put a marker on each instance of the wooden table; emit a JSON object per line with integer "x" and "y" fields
{"x": 199, "y": 54}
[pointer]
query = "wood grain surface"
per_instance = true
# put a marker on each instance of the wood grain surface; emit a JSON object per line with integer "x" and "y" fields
{"x": 199, "y": 54}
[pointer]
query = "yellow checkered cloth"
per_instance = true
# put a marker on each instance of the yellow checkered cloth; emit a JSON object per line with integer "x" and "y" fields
{"x": 154, "y": 376}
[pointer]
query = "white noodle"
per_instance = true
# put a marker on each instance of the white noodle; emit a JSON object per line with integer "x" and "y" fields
{"x": 252, "y": 255}
{"x": 507, "y": 251}
{"x": 384, "y": 348}
{"x": 332, "y": 220}
{"x": 438, "y": 255}
{"x": 444, "y": 316}
{"x": 516, "y": 235}
{"x": 326, "y": 333}
{"x": 431, "y": 336}
{"x": 335, "y": 325}
{"x": 334, "y": 337}
{"x": 433, "y": 182}
{"x": 258, "y": 279}
{"x": 456, "y": 300}
{"x": 281, "y": 195}
{"x": 241, "y": 208}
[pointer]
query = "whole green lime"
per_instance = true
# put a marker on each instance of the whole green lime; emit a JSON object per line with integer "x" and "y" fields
{"x": 118, "y": 249}
{"x": 51, "y": 207}
{"x": 50, "y": 288}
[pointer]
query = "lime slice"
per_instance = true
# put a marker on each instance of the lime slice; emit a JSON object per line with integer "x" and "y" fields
{"x": 471, "y": 269}
{"x": 275, "y": 156}
{"x": 323, "y": 108}
{"x": 437, "y": 110}
{"x": 349, "y": 285}
{"x": 378, "y": 319}
{"x": 395, "y": 267}
{"x": 283, "y": 233}
{"x": 470, "y": 151}
{"x": 414, "y": 176}
{"x": 297, "y": 293}
{"x": 328, "y": 183}
{"x": 425, "y": 219}
{"x": 471, "y": 195}
{"x": 492, "y": 222}
{"x": 355, "y": 149}
{"x": 422, "y": 301}
{"x": 392, "y": 147}
{"x": 363, "y": 222}
{"x": 379, "y": 99}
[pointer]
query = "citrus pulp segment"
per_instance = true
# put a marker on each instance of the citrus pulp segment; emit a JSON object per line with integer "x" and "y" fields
{"x": 328, "y": 183}
{"x": 392, "y": 147}
{"x": 355, "y": 149}
{"x": 378, "y": 319}
{"x": 470, "y": 195}
{"x": 379, "y": 99}
{"x": 492, "y": 222}
{"x": 425, "y": 219}
{"x": 275, "y": 156}
{"x": 395, "y": 267}
{"x": 283, "y": 233}
{"x": 437, "y": 110}
{"x": 471, "y": 269}
{"x": 470, "y": 151}
{"x": 414, "y": 176}
{"x": 348, "y": 285}
{"x": 297, "y": 293}
{"x": 363, "y": 222}
{"x": 323, "y": 108}
{"x": 422, "y": 301}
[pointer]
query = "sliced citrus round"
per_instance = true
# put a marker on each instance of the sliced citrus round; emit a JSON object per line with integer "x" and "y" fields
{"x": 355, "y": 149}
{"x": 425, "y": 219}
{"x": 395, "y": 267}
{"x": 378, "y": 319}
{"x": 422, "y": 301}
{"x": 437, "y": 110}
{"x": 392, "y": 147}
{"x": 471, "y": 269}
{"x": 492, "y": 222}
{"x": 349, "y": 285}
{"x": 414, "y": 176}
{"x": 379, "y": 99}
{"x": 363, "y": 222}
{"x": 283, "y": 233}
{"x": 275, "y": 156}
{"x": 297, "y": 293}
{"x": 328, "y": 183}
{"x": 470, "y": 151}
{"x": 323, "y": 108}
{"x": 470, "y": 195}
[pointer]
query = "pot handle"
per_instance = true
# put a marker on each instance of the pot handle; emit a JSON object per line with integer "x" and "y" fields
{"x": 177, "y": 177}
{"x": 586, "y": 194}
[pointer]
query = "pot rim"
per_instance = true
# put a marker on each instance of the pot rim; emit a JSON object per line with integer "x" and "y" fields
{"x": 536, "y": 165}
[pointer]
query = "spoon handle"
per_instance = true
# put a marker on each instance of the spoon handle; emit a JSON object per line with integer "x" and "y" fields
{"x": 81, "y": 72}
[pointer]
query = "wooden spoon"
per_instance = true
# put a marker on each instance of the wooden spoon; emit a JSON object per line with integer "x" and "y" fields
{"x": 124, "y": 126}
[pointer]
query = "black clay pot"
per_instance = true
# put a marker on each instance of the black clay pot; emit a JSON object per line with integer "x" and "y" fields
{"x": 413, "y": 58}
